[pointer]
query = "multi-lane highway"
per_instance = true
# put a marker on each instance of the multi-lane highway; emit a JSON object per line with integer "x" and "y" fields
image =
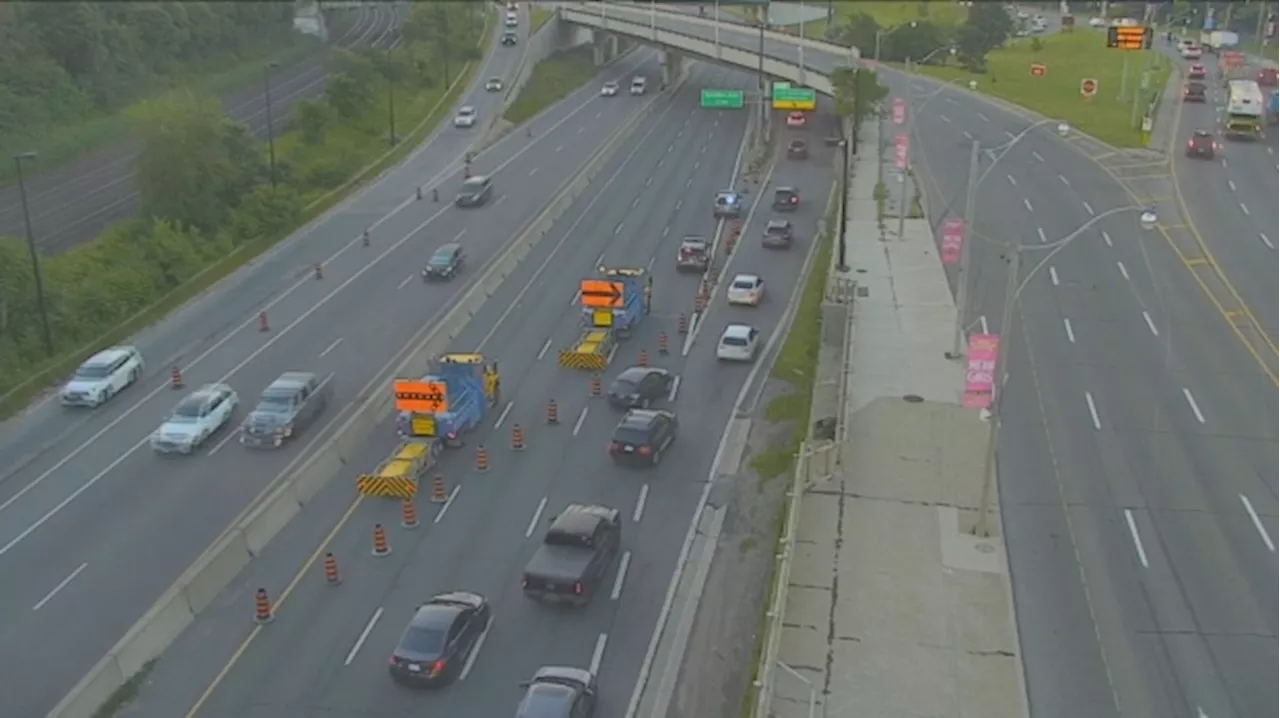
{"x": 89, "y": 516}
{"x": 326, "y": 650}
{"x": 72, "y": 204}
{"x": 1138, "y": 460}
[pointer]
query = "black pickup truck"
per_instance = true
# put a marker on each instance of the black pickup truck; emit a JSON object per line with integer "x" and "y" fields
{"x": 575, "y": 555}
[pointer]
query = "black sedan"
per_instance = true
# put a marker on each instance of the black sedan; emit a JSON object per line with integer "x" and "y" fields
{"x": 445, "y": 263}
{"x": 439, "y": 640}
{"x": 1201, "y": 145}
{"x": 639, "y": 387}
{"x": 559, "y": 692}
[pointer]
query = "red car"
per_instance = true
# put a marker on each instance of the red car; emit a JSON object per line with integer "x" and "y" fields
{"x": 1267, "y": 77}
{"x": 1194, "y": 92}
{"x": 796, "y": 119}
{"x": 1196, "y": 72}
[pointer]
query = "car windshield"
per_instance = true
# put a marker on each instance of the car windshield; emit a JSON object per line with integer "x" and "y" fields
{"x": 466, "y": 112}
{"x": 631, "y": 435}
{"x": 546, "y": 701}
{"x": 624, "y": 384}
{"x": 611, "y": 85}
{"x": 693, "y": 247}
{"x": 93, "y": 371}
{"x": 726, "y": 198}
{"x": 275, "y": 402}
{"x": 187, "y": 412}
{"x": 778, "y": 229}
{"x": 734, "y": 341}
{"x": 423, "y": 640}
{"x": 473, "y": 185}
{"x": 744, "y": 284}
{"x": 441, "y": 260}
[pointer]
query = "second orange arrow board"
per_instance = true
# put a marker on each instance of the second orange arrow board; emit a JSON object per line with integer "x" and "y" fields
{"x": 599, "y": 293}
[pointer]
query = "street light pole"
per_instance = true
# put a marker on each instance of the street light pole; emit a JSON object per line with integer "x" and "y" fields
{"x": 391, "y": 99}
{"x": 1013, "y": 290}
{"x": 906, "y": 169}
{"x": 842, "y": 254}
{"x": 271, "y": 131}
{"x": 35, "y": 257}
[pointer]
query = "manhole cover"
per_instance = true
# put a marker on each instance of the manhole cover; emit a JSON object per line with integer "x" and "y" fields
{"x": 913, "y": 398}
{"x": 985, "y": 548}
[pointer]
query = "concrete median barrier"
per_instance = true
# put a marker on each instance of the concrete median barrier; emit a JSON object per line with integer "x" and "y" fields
{"x": 199, "y": 587}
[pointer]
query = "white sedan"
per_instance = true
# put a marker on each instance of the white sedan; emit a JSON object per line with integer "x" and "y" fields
{"x": 739, "y": 342}
{"x": 493, "y": 84}
{"x": 609, "y": 89}
{"x": 195, "y": 419}
{"x": 466, "y": 117}
{"x": 746, "y": 289}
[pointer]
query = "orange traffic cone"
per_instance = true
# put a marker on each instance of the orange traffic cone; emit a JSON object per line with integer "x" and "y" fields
{"x": 700, "y": 303}
{"x": 704, "y": 289}
{"x": 319, "y": 271}
{"x": 331, "y": 570}
{"x": 364, "y": 238}
{"x": 409, "y": 515}
{"x": 438, "y": 494}
{"x": 380, "y": 545}
{"x": 682, "y": 324}
{"x": 175, "y": 378}
{"x": 662, "y": 343}
{"x": 596, "y": 388}
{"x": 517, "y": 438}
{"x": 644, "y": 358}
{"x": 262, "y": 607}
{"x": 417, "y": 193}
{"x": 730, "y": 242}
{"x": 482, "y": 458}
{"x": 553, "y": 412}
{"x": 263, "y": 324}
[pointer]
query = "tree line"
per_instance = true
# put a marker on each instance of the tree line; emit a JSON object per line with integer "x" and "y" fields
{"x": 63, "y": 62}
{"x": 206, "y": 187}
{"x": 987, "y": 27}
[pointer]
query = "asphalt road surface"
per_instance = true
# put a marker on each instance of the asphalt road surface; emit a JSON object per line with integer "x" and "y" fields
{"x": 326, "y": 651}
{"x": 1138, "y": 462}
{"x": 90, "y": 515}
{"x": 73, "y": 204}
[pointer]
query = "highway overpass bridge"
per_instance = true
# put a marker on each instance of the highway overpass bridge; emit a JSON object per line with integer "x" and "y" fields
{"x": 802, "y": 61}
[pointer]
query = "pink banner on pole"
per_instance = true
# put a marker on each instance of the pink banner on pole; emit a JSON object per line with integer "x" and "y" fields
{"x": 901, "y": 146}
{"x": 980, "y": 370}
{"x": 899, "y": 111}
{"x": 952, "y": 239}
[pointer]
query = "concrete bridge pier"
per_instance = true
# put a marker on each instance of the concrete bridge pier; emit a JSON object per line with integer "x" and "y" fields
{"x": 672, "y": 66}
{"x": 604, "y": 48}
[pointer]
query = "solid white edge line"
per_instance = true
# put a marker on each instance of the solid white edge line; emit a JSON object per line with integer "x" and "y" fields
{"x": 1257, "y": 523}
{"x": 537, "y": 514}
{"x": 1137, "y": 540}
{"x": 623, "y": 564}
{"x": 63, "y": 584}
{"x": 364, "y": 635}
{"x": 638, "y": 513}
{"x": 597, "y": 656}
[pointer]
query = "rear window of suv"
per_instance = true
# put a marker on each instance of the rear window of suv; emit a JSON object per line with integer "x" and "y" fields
{"x": 633, "y": 435}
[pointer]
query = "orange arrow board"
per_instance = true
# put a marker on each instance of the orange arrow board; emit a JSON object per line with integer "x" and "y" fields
{"x": 599, "y": 293}
{"x": 422, "y": 397}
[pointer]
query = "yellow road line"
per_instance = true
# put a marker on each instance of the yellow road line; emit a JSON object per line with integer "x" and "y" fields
{"x": 284, "y": 596}
{"x": 1195, "y": 261}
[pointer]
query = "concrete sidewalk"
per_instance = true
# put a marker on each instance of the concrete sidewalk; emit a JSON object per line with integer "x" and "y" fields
{"x": 893, "y": 609}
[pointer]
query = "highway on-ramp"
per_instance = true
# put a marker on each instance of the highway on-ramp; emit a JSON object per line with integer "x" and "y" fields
{"x": 72, "y": 204}
{"x": 326, "y": 650}
{"x": 98, "y": 519}
{"x": 1139, "y": 443}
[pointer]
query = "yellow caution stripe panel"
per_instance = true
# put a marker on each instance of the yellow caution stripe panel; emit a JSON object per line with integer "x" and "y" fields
{"x": 591, "y": 352}
{"x": 396, "y": 487}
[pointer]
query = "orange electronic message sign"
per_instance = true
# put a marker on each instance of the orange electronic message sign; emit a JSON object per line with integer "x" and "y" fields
{"x": 1129, "y": 37}
{"x": 599, "y": 293}
{"x": 422, "y": 397}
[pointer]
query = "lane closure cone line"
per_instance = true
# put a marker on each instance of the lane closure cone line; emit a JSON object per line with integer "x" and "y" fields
{"x": 409, "y": 513}
{"x": 331, "y": 570}
{"x": 380, "y": 545}
{"x": 482, "y": 458}
{"x": 262, "y": 613}
{"x": 517, "y": 438}
{"x": 438, "y": 494}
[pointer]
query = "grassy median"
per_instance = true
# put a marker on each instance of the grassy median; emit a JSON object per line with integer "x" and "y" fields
{"x": 886, "y": 14}
{"x": 552, "y": 80}
{"x": 1069, "y": 58}
{"x": 538, "y": 17}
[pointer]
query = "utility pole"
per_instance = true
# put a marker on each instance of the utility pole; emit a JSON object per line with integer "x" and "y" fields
{"x": 391, "y": 98}
{"x": 271, "y": 130}
{"x": 35, "y": 257}
{"x": 962, "y": 276}
{"x": 906, "y": 170}
{"x": 983, "y": 528}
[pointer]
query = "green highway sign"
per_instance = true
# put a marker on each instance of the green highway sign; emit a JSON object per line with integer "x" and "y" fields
{"x": 786, "y": 97}
{"x": 722, "y": 99}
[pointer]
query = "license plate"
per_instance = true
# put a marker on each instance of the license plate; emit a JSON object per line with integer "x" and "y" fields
{"x": 629, "y": 449}
{"x": 414, "y": 668}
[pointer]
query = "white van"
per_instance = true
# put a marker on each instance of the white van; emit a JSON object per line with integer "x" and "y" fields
{"x": 638, "y": 85}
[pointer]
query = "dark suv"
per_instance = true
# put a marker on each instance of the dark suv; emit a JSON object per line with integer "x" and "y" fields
{"x": 286, "y": 407}
{"x": 786, "y": 199}
{"x": 1201, "y": 145}
{"x": 475, "y": 191}
{"x": 694, "y": 256}
{"x": 640, "y": 387}
{"x": 797, "y": 150}
{"x": 509, "y": 38}
{"x": 642, "y": 436}
{"x": 777, "y": 234}
{"x": 445, "y": 263}
{"x": 1194, "y": 92}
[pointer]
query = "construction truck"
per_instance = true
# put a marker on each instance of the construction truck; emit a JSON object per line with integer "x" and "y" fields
{"x": 613, "y": 303}
{"x": 450, "y": 401}
{"x": 398, "y": 477}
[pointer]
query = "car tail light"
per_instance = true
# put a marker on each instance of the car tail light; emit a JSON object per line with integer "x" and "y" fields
{"x": 795, "y": 200}
{"x": 644, "y": 451}
{"x": 438, "y": 667}
{"x": 613, "y": 446}
{"x": 393, "y": 661}
{"x": 577, "y": 589}
{"x": 453, "y": 435}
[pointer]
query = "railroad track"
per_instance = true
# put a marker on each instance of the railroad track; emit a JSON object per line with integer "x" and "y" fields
{"x": 73, "y": 204}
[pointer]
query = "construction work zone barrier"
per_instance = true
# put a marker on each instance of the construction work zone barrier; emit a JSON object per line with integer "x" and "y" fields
{"x": 392, "y": 487}
{"x": 331, "y": 570}
{"x": 644, "y": 358}
{"x": 408, "y": 514}
{"x": 321, "y": 460}
{"x": 397, "y": 477}
{"x": 380, "y": 545}
{"x": 682, "y": 323}
{"x": 175, "y": 378}
{"x": 438, "y": 493}
{"x": 591, "y": 352}
{"x": 319, "y": 271}
{"x": 263, "y": 324}
{"x": 517, "y": 438}
{"x": 597, "y": 388}
{"x": 482, "y": 458}
{"x": 553, "y": 412}
{"x": 364, "y": 238}
{"x": 699, "y": 304}
{"x": 262, "y": 612}
{"x": 663, "y": 343}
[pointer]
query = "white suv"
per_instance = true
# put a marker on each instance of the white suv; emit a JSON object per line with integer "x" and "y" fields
{"x": 739, "y": 342}
{"x": 102, "y": 376}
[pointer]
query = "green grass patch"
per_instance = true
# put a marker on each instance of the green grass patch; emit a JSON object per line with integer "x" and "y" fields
{"x": 538, "y": 16}
{"x": 1069, "y": 58}
{"x": 747, "y": 706}
{"x": 552, "y": 80}
{"x": 945, "y": 13}
{"x": 21, "y": 395}
{"x": 60, "y": 145}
